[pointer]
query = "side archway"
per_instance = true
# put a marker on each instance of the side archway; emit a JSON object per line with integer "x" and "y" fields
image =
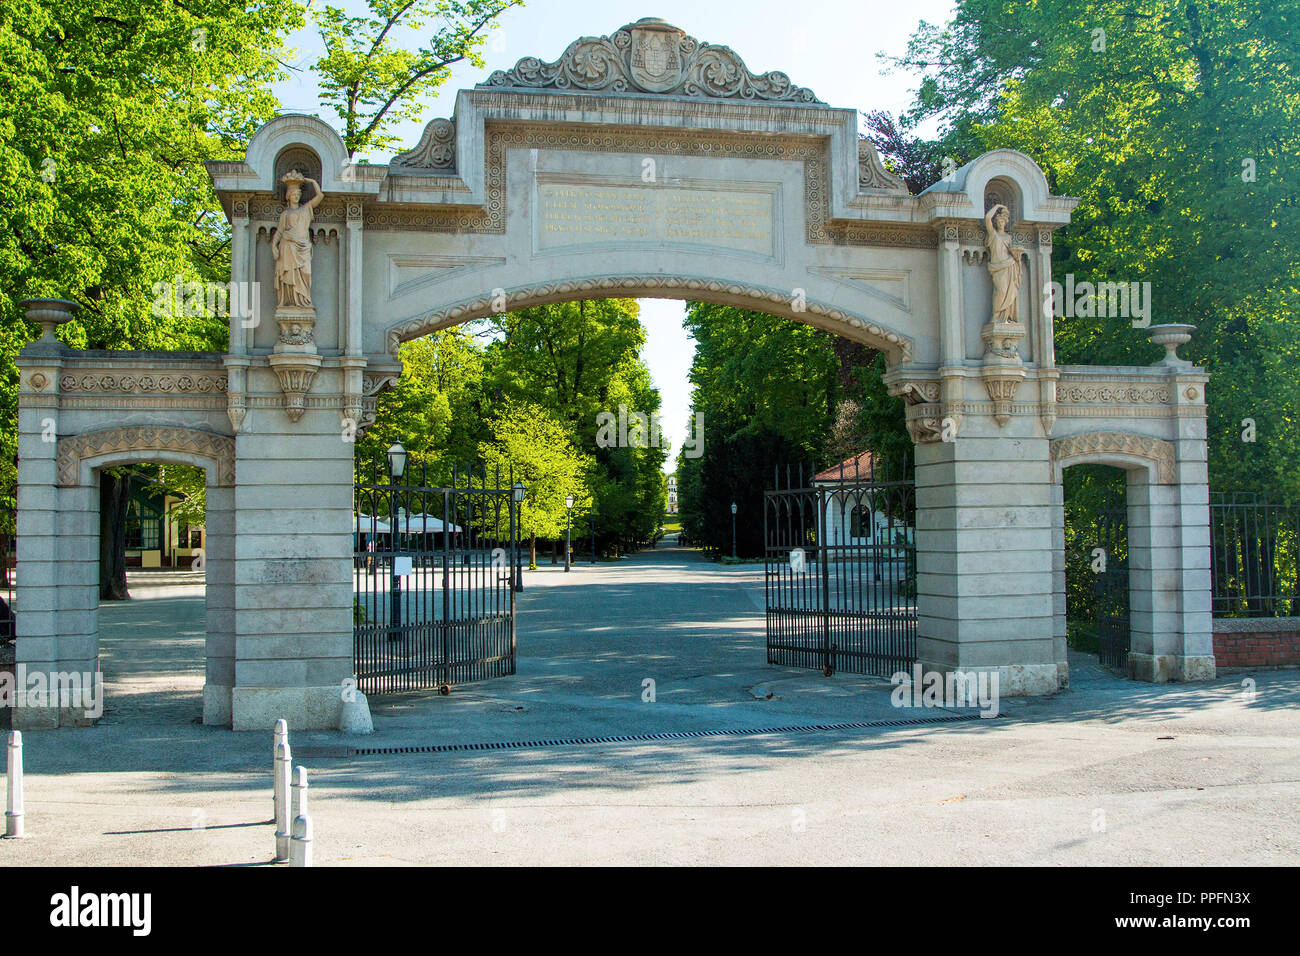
{"x": 78, "y": 458}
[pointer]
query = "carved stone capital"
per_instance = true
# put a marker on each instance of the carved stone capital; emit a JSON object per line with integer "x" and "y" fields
{"x": 1001, "y": 384}
{"x": 297, "y": 373}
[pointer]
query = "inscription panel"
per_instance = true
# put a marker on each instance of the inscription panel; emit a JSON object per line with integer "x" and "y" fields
{"x": 571, "y": 214}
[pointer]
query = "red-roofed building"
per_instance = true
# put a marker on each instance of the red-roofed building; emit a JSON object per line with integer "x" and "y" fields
{"x": 856, "y": 509}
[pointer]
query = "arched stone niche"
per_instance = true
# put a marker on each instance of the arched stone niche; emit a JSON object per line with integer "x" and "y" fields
{"x": 1004, "y": 191}
{"x": 301, "y": 158}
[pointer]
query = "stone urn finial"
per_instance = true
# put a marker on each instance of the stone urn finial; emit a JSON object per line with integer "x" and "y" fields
{"x": 1171, "y": 335}
{"x": 49, "y": 314}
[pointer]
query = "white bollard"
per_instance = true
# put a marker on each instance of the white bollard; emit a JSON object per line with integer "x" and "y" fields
{"x": 279, "y": 735}
{"x": 300, "y": 855}
{"x": 14, "y": 801}
{"x": 283, "y": 815}
{"x": 300, "y": 844}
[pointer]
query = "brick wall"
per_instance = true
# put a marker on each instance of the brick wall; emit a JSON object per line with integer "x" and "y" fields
{"x": 1259, "y": 643}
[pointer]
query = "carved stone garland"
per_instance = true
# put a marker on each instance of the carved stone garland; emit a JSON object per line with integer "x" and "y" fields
{"x": 146, "y": 438}
{"x": 1118, "y": 443}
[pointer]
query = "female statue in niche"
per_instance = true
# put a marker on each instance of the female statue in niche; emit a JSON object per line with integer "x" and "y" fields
{"x": 291, "y": 244}
{"x": 1004, "y": 265}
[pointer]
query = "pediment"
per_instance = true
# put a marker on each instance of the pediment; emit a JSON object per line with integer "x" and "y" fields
{"x": 651, "y": 56}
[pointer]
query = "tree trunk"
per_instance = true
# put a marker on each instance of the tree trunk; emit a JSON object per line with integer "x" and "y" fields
{"x": 113, "y": 497}
{"x": 532, "y": 551}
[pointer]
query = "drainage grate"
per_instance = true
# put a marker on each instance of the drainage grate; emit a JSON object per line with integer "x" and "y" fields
{"x": 666, "y": 735}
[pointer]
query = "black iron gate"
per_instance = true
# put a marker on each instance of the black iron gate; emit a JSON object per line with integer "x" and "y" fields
{"x": 1111, "y": 585}
{"x": 434, "y": 570}
{"x": 841, "y": 568}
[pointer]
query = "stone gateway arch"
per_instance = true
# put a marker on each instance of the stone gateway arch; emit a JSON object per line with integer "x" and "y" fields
{"x": 644, "y": 163}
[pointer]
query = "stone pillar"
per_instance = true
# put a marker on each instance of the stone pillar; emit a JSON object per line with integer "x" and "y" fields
{"x": 77, "y": 550}
{"x": 1060, "y": 631}
{"x": 43, "y": 602}
{"x": 219, "y": 578}
{"x": 292, "y": 561}
{"x": 984, "y": 537}
{"x": 36, "y": 592}
{"x": 1170, "y": 618}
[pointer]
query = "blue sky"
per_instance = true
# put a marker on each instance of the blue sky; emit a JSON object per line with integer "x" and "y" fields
{"x": 829, "y": 46}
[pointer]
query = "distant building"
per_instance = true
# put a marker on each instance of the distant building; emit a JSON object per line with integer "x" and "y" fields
{"x": 672, "y": 494}
{"x": 155, "y": 536}
{"x": 855, "y": 512}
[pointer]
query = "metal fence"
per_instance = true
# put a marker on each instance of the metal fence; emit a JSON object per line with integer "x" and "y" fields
{"x": 433, "y": 572}
{"x": 841, "y": 568}
{"x": 1111, "y": 583}
{"x": 1254, "y": 556}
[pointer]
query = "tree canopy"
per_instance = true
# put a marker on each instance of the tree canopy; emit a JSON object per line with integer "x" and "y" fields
{"x": 1177, "y": 124}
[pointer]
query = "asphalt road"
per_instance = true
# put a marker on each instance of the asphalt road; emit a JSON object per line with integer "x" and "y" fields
{"x": 1109, "y": 772}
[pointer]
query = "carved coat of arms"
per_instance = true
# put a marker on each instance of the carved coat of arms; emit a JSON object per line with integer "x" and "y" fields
{"x": 656, "y": 63}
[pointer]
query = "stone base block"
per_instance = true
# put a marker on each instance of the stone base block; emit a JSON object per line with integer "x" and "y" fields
{"x": 1014, "y": 680}
{"x": 216, "y": 705}
{"x": 1162, "y": 668}
{"x": 51, "y": 718}
{"x": 305, "y": 708}
{"x": 1196, "y": 668}
{"x": 35, "y": 718}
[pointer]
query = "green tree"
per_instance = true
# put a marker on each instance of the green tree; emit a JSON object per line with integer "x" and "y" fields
{"x": 581, "y": 360}
{"x": 535, "y": 447}
{"x": 373, "y": 83}
{"x": 434, "y": 411}
{"x": 107, "y": 114}
{"x": 767, "y": 388}
{"x": 1177, "y": 123}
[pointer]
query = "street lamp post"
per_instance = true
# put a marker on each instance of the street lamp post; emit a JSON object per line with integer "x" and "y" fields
{"x": 733, "y": 529}
{"x": 396, "y": 468}
{"x": 517, "y": 494}
{"x": 568, "y": 532}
